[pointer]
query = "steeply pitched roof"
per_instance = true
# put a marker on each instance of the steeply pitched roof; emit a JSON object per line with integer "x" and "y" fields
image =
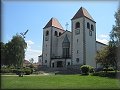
{"x": 82, "y": 12}
{"x": 53, "y": 22}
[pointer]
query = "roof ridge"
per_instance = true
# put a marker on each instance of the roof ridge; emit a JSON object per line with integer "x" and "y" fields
{"x": 82, "y": 12}
{"x": 53, "y": 22}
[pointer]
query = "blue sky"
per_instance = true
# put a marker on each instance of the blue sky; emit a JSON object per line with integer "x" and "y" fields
{"x": 19, "y": 16}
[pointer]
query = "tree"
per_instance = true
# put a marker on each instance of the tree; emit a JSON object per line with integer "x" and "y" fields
{"x": 18, "y": 50}
{"x": 115, "y": 40}
{"x": 31, "y": 60}
{"x": 103, "y": 57}
{"x": 2, "y": 46}
{"x": 115, "y": 33}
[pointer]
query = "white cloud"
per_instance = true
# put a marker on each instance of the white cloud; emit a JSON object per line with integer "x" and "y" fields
{"x": 29, "y": 42}
{"x": 105, "y": 41}
{"x": 103, "y": 36}
{"x": 31, "y": 52}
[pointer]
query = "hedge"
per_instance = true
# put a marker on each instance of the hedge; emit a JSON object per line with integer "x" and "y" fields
{"x": 104, "y": 74}
{"x": 26, "y": 71}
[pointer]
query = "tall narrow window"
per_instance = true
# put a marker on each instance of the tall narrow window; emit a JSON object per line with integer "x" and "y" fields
{"x": 77, "y": 40}
{"x": 47, "y": 33}
{"x": 77, "y": 60}
{"x": 66, "y": 52}
{"x": 45, "y": 61}
{"x": 88, "y": 25}
{"x": 77, "y": 51}
{"x": 56, "y": 33}
{"x": 68, "y": 63}
{"x": 77, "y": 25}
{"x": 59, "y": 33}
{"x": 92, "y": 27}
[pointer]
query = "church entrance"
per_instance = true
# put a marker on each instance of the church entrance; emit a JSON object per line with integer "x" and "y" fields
{"x": 59, "y": 64}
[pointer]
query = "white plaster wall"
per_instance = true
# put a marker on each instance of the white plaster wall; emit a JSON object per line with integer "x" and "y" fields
{"x": 90, "y": 43}
{"x": 77, "y": 46}
{"x": 46, "y": 50}
{"x": 55, "y": 41}
{"x": 99, "y": 46}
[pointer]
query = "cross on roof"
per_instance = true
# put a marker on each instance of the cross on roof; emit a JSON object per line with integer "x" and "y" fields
{"x": 66, "y": 25}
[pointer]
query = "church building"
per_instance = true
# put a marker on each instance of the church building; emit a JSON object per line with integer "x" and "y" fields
{"x": 62, "y": 48}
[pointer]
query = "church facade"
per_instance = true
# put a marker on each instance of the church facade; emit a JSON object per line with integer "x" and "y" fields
{"x": 62, "y": 48}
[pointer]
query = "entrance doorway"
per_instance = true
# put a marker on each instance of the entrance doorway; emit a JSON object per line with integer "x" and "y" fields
{"x": 59, "y": 64}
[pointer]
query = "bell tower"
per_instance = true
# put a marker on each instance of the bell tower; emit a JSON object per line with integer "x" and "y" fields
{"x": 83, "y": 38}
{"x": 51, "y": 31}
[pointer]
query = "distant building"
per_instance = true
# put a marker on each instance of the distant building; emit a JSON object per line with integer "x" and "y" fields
{"x": 62, "y": 48}
{"x": 26, "y": 63}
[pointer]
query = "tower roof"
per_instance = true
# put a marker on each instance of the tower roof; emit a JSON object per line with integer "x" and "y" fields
{"x": 53, "y": 22}
{"x": 82, "y": 12}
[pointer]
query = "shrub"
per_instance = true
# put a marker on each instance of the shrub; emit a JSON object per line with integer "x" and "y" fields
{"x": 109, "y": 69}
{"x": 18, "y": 71}
{"x": 28, "y": 71}
{"x": 86, "y": 69}
{"x": 5, "y": 70}
{"x": 104, "y": 74}
{"x": 14, "y": 70}
{"x": 98, "y": 69}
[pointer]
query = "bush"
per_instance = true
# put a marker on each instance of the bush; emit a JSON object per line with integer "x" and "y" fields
{"x": 18, "y": 71}
{"x": 104, "y": 74}
{"x": 28, "y": 71}
{"x": 98, "y": 69}
{"x": 5, "y": 70}
{"x": 109, "y": 69}
{"x": 86, "y": 69}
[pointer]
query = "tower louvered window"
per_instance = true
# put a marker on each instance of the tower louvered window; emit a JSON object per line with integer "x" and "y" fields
{"x": 56, "y": 33}
{"x": 47, "y": 33}
{"x": 77, "y": 25}
{"x": 92, "y": 27}
{"x": 88, "y": 25}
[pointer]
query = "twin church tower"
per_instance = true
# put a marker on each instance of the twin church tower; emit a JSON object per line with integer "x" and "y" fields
{"x": 62, "y": 48}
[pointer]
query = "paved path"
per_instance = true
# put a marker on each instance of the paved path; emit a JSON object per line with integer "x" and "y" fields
{"x": 30, "y": 75}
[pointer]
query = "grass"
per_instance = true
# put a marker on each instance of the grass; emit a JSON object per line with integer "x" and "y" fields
{"x": 59, "y": 82}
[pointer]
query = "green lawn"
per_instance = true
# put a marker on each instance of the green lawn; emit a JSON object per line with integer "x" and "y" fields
{"x": 59, "y": 82}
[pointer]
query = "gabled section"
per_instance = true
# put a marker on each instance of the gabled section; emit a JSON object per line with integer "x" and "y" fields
{"x": 66, "y": 42}
{"x": 53, "y": 22}
{"x": 82, "y": 12}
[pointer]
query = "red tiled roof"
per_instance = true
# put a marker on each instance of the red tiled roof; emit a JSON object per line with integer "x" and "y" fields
{"x": 53, "y": 22}
{"x": 26, "y": 62}
{"x": 82, "y": 12}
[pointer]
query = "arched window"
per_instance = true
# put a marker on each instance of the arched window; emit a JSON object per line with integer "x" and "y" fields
{"x": 47, "y": 33}
{"x": 59, "y": 33}
{"x": 88, "y": 25}
{"x": 56, "y": 33}
{"x": 77, "y": 25}
{"x": 92, "y": 27}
